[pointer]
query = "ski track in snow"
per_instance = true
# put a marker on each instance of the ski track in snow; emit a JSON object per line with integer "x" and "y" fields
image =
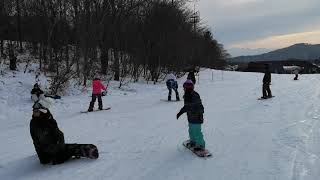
{"x": 140, "y": 139}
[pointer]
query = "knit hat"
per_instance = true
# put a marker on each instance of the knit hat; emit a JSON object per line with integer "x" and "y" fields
{"x": 188, "y": 85}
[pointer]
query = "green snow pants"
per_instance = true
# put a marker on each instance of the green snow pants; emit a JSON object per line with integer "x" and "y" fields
{"x": 196, "y": 135}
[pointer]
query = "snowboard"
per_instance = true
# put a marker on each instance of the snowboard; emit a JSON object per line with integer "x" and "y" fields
{"x": 52, "y": 96}
{"x": 202, "y": 154}
{"x": 83, "y": 150}
{"x": 166, "y": 100}
{"x": 266, "y": 98}
{"x": 95, "y": 110}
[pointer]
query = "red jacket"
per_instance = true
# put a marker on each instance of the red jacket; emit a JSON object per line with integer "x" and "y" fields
{"x": 97, "y": 86}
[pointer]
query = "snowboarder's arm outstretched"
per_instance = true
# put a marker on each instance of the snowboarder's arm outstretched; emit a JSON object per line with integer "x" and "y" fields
{"x": 190, "y": 107}
{"x": 193, "y": 103}
{"x": 182, "y": 110}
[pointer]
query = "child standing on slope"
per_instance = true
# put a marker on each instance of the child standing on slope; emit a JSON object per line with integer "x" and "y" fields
{"x": 194, "y": 109}
{"x": 97, "y": 86}
{"x": 266, "y": 91}
{"x": 172, "y": 84}
{"x": 37, "y": 93}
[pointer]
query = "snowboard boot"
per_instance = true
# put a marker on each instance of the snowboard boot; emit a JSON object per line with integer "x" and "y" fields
{"x": 199, "y": 148}
{"x": 191, "y": 144}
{"x": 77, "y": 153}
{"x": 90, "y": 107}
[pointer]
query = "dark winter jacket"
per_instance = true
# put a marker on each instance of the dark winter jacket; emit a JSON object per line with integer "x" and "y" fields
{"x": 36, "y": 91}
{"x": 192, "y": 77}
{"x": 48, "y": 140}
{"x": 172, "y": 84}
{"x": 193, "y": 107}
{"x": 267, "y": 77}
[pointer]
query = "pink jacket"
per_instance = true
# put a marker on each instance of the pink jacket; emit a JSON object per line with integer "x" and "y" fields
{"x": 97, "y": 86}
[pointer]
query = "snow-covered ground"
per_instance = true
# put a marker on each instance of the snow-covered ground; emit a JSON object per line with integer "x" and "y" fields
{"x": 140, "y": 139}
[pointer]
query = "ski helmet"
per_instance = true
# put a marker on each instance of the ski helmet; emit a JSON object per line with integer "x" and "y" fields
{"x": 188, "y": 85}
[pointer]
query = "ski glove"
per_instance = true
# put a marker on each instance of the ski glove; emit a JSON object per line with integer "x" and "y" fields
{"x": 104, "y": 93}
{"x": 179, "y": 114}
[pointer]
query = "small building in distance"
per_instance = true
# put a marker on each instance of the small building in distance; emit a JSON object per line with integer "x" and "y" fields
{"x": 280, "y": 67}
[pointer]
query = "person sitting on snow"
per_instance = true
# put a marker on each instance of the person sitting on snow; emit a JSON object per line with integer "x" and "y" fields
{"x": 48, "y": 139}
{"x": 37, "y": 93}
{"x": 97, "y": 86}
{"x": 172, "y": 84}
{"x": 194, "y": 109}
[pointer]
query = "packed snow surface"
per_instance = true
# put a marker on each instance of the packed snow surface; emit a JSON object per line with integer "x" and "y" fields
{"x": 140, "y": 138}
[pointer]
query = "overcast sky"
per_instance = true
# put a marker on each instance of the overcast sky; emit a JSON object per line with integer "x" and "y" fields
{"x": 267, "y": 24}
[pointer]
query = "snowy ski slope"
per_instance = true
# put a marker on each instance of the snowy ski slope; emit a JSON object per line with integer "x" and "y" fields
{"x": 140, "y": 139}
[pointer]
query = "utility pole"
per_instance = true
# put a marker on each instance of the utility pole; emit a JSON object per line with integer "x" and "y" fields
{"x": 19, "y": 24}
{"x": 195, "y": 18}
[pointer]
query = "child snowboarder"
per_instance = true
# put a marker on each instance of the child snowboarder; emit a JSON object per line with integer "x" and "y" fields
{"x": 192, "y": 77}
{"x": 266, "y": 91}
{"x": 172, "y": 84}
{"x": 194, "y": 109}
{"x": 37, "y": 93}
{"x": 49, "y": 142}
{"x": 97, "y": 86}
{"x": 296, "y": 72}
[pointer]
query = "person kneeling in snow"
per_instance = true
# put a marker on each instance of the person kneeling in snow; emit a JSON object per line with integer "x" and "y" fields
{"x": 194, "y": 109}
{"x": 172, "y": 84}
{"x": 48, "y": 140}
{"x": 97, "y": 86}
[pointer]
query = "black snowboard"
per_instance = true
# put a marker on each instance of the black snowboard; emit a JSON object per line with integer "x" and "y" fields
{"x": 95, "y": 110}
{"x": 166, "y": 100}
{"x": 83, "y": 150}
{"x": 52, "y": 96}
{"x": 265, "y": 98}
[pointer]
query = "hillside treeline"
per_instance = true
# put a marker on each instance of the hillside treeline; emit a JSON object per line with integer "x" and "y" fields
{"x": 122, "y": 38}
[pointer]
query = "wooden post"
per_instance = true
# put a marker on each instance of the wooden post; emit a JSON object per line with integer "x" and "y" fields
{"x": 222, "y": 75}
{"x": 212, "y": 74}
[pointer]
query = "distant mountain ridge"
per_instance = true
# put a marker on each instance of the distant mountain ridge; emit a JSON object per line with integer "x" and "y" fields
{"x": 236, "y": 52}
{"x": 300, "y": 51}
